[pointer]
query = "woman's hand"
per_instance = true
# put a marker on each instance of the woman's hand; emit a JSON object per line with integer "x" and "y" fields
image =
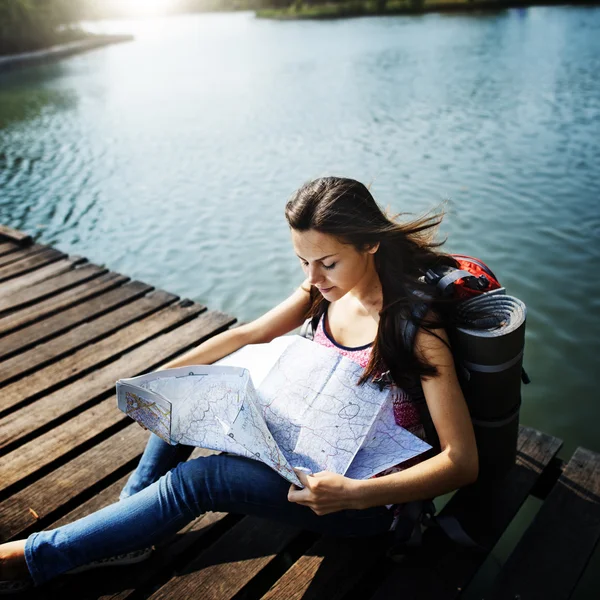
{"x": 325, "y": 492}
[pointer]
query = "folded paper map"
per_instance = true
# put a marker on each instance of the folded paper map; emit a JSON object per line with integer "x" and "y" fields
{"x": 290, "y": 403}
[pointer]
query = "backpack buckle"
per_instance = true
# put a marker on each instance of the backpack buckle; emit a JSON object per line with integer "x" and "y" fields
{"x": 383, "y": 380}
{"x": 479, "y": 284}
{"x": 431, "y": 277}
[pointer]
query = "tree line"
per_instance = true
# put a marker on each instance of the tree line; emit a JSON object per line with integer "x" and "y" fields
{"x": 32, "y": 24}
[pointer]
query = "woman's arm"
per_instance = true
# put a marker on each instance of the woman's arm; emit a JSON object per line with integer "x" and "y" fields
{"x": 280, "y": 320}
{"x": 456, "y": 465}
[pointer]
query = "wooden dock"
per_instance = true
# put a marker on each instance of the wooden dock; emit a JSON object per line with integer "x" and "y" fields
{"x": 69, "y": 329}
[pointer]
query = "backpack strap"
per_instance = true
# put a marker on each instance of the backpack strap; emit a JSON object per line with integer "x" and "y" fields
{"x": 445, "y": 280}
{"x": 409, "y": 332}
{"x": 307, "y": 330}
{"x": 414, "y": 518}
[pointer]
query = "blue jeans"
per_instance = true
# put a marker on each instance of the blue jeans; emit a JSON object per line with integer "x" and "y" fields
{"x": 166, "y": 492}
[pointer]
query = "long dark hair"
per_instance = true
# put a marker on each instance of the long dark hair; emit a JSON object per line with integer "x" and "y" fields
{"x": 346, "y": 209}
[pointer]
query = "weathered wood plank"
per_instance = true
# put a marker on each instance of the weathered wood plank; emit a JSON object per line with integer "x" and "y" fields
{"x": 42, "y": 274}
{"x": 224, "y": 568}
{"x": 95, "y": 354}
{"x": 55, "y": 490}
{"x": 554, "y": 551}
{"x": 441, "y": 572}
{"x": 50, "y": 306}
{"x": 21, "y": 254}
{"x": 74, "y": 339}
{"x": 29, "y": 418}
{"x": 7, "y": 248}
{"x": 120, "y": 583}
{"x": 53, "y": 326}
{"x": 43, "y": 290}
{"x": 15, "y": 236}
{"x": 197, "y": 534}
{"x": 330, "y": 569}
{"x": 52, "y": 445}
{"x": 51, "y": 492}
{"x": 35, "y": 261}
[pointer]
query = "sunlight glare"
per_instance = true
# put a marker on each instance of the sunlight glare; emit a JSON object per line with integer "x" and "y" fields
{"x": 146, "y": 7}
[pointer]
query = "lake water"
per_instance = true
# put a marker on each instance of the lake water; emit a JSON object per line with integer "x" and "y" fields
{"x": 170, "y": 159}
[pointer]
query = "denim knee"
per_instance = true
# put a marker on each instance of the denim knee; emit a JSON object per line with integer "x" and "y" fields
{"x": 189, "y": 487}
{"x": 157, "y": 460}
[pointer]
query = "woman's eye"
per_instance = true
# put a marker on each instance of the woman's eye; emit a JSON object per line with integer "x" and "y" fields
{"x": 330, "y": 266}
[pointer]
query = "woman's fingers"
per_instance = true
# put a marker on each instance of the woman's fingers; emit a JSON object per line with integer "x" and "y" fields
{"x": 324, "y": 492}
{"x": 303, "y": 477}
{"x": 299, "y": 495}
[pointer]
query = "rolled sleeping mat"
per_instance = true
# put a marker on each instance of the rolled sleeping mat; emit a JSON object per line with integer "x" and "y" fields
{"x": 490, "y": 338}
{"x": 497, "y": 443}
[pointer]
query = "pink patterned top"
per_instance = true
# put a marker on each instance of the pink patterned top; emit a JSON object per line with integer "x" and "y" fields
{"x": 405, "y": 412}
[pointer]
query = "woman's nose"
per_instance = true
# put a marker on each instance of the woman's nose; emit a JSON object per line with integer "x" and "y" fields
{"x": 314, "y": 275}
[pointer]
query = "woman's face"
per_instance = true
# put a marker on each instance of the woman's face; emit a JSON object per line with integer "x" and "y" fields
{"x": 333, "y": 267}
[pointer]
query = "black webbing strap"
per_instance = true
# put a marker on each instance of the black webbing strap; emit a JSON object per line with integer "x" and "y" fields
{"x": 414, "y": 518}
{"x": 451, "y": 277}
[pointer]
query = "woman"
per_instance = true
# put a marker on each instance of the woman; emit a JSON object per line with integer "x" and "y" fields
{"x": 362, "y": 284}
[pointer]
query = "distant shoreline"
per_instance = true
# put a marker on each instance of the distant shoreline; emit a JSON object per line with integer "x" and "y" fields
{"x": 35, "y": 57}
{"x": 368, "y": 8}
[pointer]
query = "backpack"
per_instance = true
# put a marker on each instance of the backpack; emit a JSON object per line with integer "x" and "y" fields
{"x": 487, "y": 343}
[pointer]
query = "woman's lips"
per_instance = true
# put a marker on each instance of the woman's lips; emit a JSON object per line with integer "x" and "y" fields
{"x": 325, "y": 290}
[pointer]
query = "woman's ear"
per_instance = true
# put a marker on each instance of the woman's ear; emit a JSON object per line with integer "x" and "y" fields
{"x": 373, "y": 248}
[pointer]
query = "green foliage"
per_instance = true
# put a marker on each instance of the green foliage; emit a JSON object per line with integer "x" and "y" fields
{"x": 32, "y": 24}
{"x": 332, "y": 9}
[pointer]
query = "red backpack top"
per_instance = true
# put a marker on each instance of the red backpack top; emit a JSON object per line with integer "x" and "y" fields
{"x": 472, "y": 278}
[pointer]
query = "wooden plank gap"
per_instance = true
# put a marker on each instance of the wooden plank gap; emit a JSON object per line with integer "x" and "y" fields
{"x": 12, "y": 435}
{"x": 330, "y": 568}
{"x": 171, "y": 554}
{"x": 7, "y": 247}
{"x": 42, "y": 274}
{"x": 52, "y": 496}
{"x": 13, "y": 235}
{"x": 61, "y": 459}
{"x": 19, "y": 426}
{"x": 31, "y": 263}
{"x": 96, "y": 354}
{"x": 258, "y": 586}
{"x": 140, "y": 581}
{"x": 548, "y": 478}
{"x": 21, "y": 253}
{"x": 70, "y": 502}
{"x": 66, "y": 344}
{"x": 222, "y": 570}
{"x": 19, "y": 319}
{"x": 552, "y": 555}
{"x": 49, "y": 288}
{"x": 53, "y": 326}
{"x": 46, "y": 448}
